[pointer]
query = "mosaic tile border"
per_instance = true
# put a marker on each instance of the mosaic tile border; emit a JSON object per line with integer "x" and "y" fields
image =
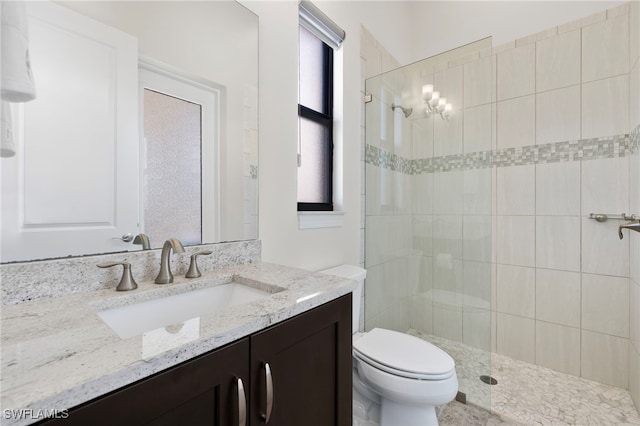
{"x": 584, "y": 149}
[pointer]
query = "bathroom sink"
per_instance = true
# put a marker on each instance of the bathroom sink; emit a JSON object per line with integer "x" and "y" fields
{"x": 132, "y": 320}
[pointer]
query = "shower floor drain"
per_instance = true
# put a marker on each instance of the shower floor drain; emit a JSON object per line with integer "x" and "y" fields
{"x": 488, "y": 380}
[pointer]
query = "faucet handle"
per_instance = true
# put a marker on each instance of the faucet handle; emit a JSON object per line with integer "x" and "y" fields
{"x": 193, "y": 271}
{"x": 126, "y": 282}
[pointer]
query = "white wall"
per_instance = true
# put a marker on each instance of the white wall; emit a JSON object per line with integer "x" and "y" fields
{"x": 439, "y": 26}
{"x": 282, "y": 241}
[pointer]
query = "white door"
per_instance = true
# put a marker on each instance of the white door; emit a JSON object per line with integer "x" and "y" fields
{"x": 73, "y": 184}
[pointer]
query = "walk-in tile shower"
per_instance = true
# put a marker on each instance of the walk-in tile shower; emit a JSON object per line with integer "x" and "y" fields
{"x": 478, "y": 234}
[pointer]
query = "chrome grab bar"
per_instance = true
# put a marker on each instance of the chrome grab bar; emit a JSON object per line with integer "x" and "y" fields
{"x": 601, "y": 217}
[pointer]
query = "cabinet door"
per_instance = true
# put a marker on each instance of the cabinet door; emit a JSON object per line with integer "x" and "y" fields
{"x": 309, "y": 357}
{"x": 202, "y": 391}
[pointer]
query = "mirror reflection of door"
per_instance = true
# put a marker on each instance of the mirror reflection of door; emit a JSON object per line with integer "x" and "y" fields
{"x": 178, "y": 158}
{"x": 72, "y": 187}
{"x": 171, "y": 207}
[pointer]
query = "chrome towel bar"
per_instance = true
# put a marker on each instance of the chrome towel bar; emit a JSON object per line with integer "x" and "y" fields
{"x": 601, "y": 217}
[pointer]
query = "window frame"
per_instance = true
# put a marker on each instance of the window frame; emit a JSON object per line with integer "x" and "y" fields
{"x": 325, "y": 119}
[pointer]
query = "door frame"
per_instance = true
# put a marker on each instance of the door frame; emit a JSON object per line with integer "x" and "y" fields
{"x": 166, "y": 79}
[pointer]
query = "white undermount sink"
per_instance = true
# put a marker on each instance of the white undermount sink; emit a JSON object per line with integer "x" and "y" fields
{"x": 138, "y": 318}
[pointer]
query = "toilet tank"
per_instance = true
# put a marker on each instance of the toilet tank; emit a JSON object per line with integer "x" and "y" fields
{"x": 355, "y": 273}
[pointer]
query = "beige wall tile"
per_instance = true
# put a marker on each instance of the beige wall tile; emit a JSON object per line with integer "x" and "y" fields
{"x": 634, "y": 315}
{"x": 517, "y": 290}
{"x": 516, "y": 190}
{"x": 479, "y": 81}
{"x": 448, "y": 195}
{"x": 476, "y": 330}
{"x": 556, "y": 238}
{"x": 516, "y": 337}
{"x": 634, "y": 33}
{"x": 478, "y": 132}
{"x": 476, "y": 236}
{"x": 605, "y": 359}
{"x": 558, "y": 189}
{"x": 516, "y": 240}
{"x": 477, "y": 186}
{"x": 558, "y": 297}
{"x": 634, "y": 91}
{"x": 558, "y": 115}
{"x": 421, "y": 313}
{"x": 558, "y": 61}
{"x": 588, "y": 20}
{"x": 516, "y": 72}
{"x": 516, "y": 122}
{"x": 558, "y": 347}
{"x": 447, "y": 321}
{"x": 634, "y": 375}
{"x": 605, "y": 304}
{"x": 606, "y": 39}
{"x": 605, "y": 107}
{"x": 605, "y": 185}
{"x": 447, "y": 233}
{"x": 477, "y": 285}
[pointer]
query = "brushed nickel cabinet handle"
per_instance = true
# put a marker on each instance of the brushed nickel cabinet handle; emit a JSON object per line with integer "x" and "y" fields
{"x": 242, "y": 404}
{"x": 269, "y": 381}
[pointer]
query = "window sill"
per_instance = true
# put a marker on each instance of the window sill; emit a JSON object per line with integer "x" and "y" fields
{"x": 318, "y": 220}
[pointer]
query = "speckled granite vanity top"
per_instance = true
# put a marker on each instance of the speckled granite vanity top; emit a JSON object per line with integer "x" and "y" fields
{"x": 57, "y": 353}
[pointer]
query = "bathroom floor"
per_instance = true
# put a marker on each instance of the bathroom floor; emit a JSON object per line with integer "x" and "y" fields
{"x": 528, "y": 394}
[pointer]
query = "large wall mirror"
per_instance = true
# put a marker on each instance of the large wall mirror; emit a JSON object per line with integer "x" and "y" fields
{"x": 144, "y": 122}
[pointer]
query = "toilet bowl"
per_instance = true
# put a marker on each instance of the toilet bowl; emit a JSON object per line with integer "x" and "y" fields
{"x": 398, "y": 379}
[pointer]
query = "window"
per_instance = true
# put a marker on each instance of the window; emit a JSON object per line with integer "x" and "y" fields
{"x": 318, "y": 36}
{"x": 315, "y": 111}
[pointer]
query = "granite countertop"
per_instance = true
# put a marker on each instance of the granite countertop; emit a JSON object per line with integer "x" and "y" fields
{"x": 57, "y": 353}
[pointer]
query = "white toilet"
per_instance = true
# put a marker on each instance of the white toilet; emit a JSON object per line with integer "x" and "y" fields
{"x": 397, "y": 379}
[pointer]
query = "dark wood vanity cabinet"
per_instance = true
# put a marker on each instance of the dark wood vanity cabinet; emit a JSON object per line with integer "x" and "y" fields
{"x": 308, "y": 356}
{"x": 201, "y": 391}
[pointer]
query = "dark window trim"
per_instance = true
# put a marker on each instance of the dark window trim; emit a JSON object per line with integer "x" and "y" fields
{"x": 324, "y": 119}
{"x": 326, "y": 122}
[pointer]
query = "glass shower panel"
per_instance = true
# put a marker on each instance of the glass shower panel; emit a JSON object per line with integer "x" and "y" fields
{"x": 428, "y": 207}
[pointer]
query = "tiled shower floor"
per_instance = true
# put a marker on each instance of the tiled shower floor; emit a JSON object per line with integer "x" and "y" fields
{"x": 528, "y": 394}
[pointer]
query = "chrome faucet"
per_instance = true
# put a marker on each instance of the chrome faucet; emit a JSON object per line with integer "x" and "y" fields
{"x": 165, "y": 276}
{"x": 143, "y": 240}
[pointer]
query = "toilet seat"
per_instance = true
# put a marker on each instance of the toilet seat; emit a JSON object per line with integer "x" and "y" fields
{"x": 403, "y": 355}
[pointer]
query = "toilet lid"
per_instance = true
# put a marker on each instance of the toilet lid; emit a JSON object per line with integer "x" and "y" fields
{"x": 403, "y": 355}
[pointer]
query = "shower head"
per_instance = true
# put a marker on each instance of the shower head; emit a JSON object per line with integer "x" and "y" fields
{"x": 406, "y": 111}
